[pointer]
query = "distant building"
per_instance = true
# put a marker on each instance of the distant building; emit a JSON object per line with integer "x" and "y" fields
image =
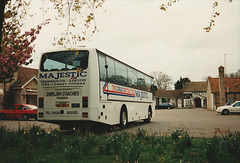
{"x": 195, "y": 94}
{"x": 208, "y": 94}
{"x": 171, "y": 96}
{"x": 221, "y": 90}
{"x": 23, "y": 89}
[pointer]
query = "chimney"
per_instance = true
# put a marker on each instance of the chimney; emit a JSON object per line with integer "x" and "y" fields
{"x": 185, "y": 81}
{"x": 221, "y": 86}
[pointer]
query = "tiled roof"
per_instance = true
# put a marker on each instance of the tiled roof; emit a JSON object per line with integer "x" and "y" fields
{"x": 231, "y": 84}
{"x": 195, "y": 87}
{"x": 169, "y": 93}
{"x": 24, "y": 75}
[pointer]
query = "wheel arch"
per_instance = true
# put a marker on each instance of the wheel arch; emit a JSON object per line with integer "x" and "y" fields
{"x": 225, "y": 111}
{"x": 150, "y": 109}
{"x": 124, "y": 107}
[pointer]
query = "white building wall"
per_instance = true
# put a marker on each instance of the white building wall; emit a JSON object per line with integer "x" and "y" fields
{"x": 187, "y": 102}
{"x": 212, "y": 100}
{"x": 179, "y": 103}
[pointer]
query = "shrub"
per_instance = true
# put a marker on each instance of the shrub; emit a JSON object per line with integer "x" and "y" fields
{"x": 181, "y": 141}
{"x": 131, "y": 149}
{"x": 211, "y": 148}
{"x": 80, "y": 145}
{"x": 231, "y": 143}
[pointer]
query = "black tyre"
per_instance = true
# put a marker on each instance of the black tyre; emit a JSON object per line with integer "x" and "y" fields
{"x": 2, "y": 116}
{"x": 24, "y": 117}
{"x": 123, "y": 118}
{"x": 67, "y": 127}
{"x": 148, "y": 120}
{"x": 225, "y": 112}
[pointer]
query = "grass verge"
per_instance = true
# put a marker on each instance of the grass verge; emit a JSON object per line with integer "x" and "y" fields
{"x": 36, "y": 145}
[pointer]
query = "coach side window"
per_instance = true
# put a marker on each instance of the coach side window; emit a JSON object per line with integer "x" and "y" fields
{"x": 132, "y": 77}
{"x": 121, "y": 74}
{"x": 111, "y": 70}
{"x": 140, "y": 81}
{"x": 148, "y": 82}
{"x": 102, "y": 63}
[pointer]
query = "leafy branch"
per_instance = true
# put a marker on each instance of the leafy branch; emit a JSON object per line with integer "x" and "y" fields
{"x": 168, "y": 4}
{"x": 80, "y": 15}
{"x": 214, "y": 15}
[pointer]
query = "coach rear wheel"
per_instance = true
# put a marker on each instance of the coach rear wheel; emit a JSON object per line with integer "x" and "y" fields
{"x": 149, "y": 116}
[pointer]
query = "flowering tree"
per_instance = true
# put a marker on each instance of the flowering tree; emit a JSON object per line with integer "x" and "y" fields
{"x": 2, "y": 7}
{"x": 77, "y": 14}
{"x": 16, "y": 46}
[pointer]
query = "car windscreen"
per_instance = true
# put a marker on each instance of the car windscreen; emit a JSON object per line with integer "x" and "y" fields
{"x": 32, "y": 106}
{"x": 229, "y": 103}
{"x": 64, "y": 60}
{"x": 164, "y": 104}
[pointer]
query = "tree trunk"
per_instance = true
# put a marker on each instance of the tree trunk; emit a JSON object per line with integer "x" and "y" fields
{"x": 2, "y": 7}
{"x": 4, "y": 94}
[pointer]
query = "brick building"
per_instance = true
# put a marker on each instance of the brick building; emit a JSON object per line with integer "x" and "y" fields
{"x": 171, "y": 96}
{"x": 23, "y": 89}
{"x": 221, "y": 90}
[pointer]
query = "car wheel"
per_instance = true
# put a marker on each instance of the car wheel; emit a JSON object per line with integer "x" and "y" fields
{"x": 2, "y": 116}
{"x": 225, "y": 112}
{"x": 24, "y": 117}
{"x": 68, "y": 127}
{"x": 123, "y": 118}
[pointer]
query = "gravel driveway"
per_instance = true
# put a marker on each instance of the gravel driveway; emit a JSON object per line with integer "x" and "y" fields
{"x": 199, "y": 122}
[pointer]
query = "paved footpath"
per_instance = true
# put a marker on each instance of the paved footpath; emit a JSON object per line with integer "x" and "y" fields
{"x": 15, "y": 124}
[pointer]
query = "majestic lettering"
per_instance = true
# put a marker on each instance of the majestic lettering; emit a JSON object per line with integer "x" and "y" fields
{"x": 63, "y": 79}
{"x": 60, "y": 75}
{"x": 141, "y": 94}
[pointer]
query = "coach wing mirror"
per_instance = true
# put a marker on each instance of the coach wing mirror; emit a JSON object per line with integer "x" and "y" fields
{"x": 76, "y": 63}
{"x": 153, "y": 89}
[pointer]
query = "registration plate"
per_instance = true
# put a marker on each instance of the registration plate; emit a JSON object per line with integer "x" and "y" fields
{"x": 62, "y": 104}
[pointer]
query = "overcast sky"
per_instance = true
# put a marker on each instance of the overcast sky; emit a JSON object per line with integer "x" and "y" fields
{"x": 173, "y": 42}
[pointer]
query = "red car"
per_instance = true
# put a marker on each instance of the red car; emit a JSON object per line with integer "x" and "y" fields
{"x": 24, "y": 111}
